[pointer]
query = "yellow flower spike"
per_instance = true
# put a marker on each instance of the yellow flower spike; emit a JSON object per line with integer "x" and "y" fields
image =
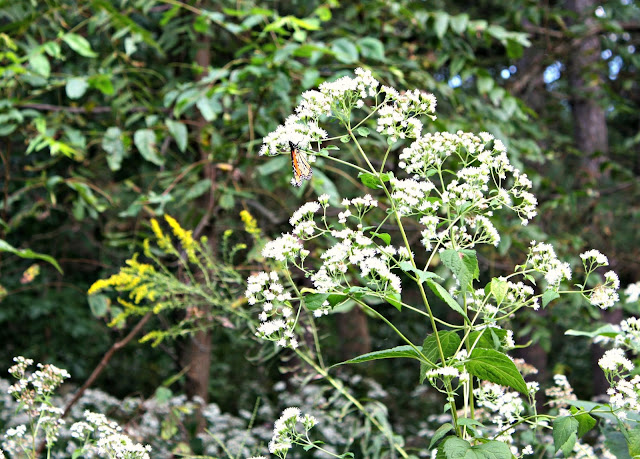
{"x": 185, "y": 237}
{"x": 164, "y": 242}
{"x": 146, "y": 249}
{"x": 250, "y": 223}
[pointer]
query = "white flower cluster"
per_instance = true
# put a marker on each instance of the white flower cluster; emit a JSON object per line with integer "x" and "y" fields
{"x": 506, "y": 407}
{"x": 426, "y": 156}
{"x": 542, "y": 258}
{"x": 277, "y": 320}
{"x": 43, "y": 381}
{"x": 285, "y": 432}
{"x": 560, "y": 392}
{"x": 109, "y": 439}
{"x": 624, "y": 392}
{"x": 285, "y": 248}
{"x": 336, "y": 97}
{"x": 629, "y": 334}
{"x": 398, "y": 118}
{"x": 632, "y": 292}
{"x": 606, "y": 295}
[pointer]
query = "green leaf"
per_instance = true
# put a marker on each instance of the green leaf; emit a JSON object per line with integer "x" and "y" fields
{"x": 179, "y": 132}
{"x": 445, "y": 296}
{"x": 76, "y": 87}
{"x": 345, "y": 50}
{"x": 634, "y": 442}
{"x": 565, "y": 431}
{"x": 386, "y": 237}
{"x": 489, "y": 338}
{"x": 99, "y": 304}
{"x": 315, "y": 300}
{"x": 548, "y": 296}
{"x": 463, "y": 264}
{"x": 209, "y": 107}
{"x": 393, "y": 353}
{"x": 606, "y": 330}
{"x": 459, "y": 23}
{"x": 484, "y": 83}
{"x": 102, "y": 83}
{"x": 457, "y": 448}
{"x": 586, "y": 422}
{"x": 277, "y": 164}
{"x": 394, "y": 300}
{"x": 198, "y": 189}
{"x": 114, "y": 146}
{"x": 371, "y": 48}
{"x": 491, "y": 365}
{"x": 79, "y": 44}
{"x": 449, "y": 341}
{"x": 363, "y": 131}
{"x": 443, "y": 430}
{"x": 373, "y": 180}
{"x": 323, "y": 184}
{"x": 28, "y": 253}
{"x": 441, "y": 22}
{"x": 499, "y": 289}
{"x": 617, "y": 444}
{"x": 145, "y": 141}
{"x": 40, "y": 64}
{"x": 422, "y": 275}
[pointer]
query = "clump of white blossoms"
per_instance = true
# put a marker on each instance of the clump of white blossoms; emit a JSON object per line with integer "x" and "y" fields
{"x": 604, "y": 295}
{"x": 624, "y": 390}
{"x": 104, "y": 438}
{"x": 33, "y": 391}
{"x": 286, "y": 433}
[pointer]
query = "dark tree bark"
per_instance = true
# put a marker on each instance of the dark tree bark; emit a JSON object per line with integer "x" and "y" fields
{"x": 590, "y": 130}
{"x": 354, "y": 333}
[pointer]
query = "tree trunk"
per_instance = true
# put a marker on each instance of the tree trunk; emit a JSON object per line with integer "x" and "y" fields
{"x": 354, "y": 333}
{"x": 590, "y": 130}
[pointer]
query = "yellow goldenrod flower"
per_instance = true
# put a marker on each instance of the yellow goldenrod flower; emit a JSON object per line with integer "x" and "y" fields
{"x": 164, "y": 241}
{"x": 185, "y": 237}
{"x": 250, "y": 223}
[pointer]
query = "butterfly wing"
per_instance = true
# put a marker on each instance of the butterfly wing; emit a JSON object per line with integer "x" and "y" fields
{"x": 301, "y": 168}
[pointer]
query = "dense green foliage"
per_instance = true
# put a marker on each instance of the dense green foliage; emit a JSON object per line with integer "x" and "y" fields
{"x": 114, "y": 112}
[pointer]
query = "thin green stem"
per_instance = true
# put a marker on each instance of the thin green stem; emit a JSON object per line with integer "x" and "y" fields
{"x": 340, "y": 388}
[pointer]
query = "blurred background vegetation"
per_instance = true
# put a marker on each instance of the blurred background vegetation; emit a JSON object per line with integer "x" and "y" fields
{"x": 113, "y": 112}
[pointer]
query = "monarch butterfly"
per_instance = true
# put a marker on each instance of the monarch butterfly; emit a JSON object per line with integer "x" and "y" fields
{"x": 301, "y": 168}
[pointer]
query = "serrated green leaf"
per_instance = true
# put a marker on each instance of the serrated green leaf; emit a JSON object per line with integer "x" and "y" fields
{"x": 449, "y": 340}
{"x": 345, "y": 50}
{"x": 489, "y": 338}
{"x": 372, "y": 180}
{"x": 209, "y": 107}
{"x": 445, "y": 296}
{"x": 145, "y": 142}
{"x": 565, "y": 430}
{"x": 314, "y": 301}
{"x": 586, "y": 422}
{"x": 28, "y": 253}
{"x": 179, "y": 132}
{"x": 457, "y": 448}
{"x": 114, "y": 146}
{"x": 463, "y": 264}
{"x": 499, "y": 289}
{"x": 548, "y": 296}
{"x": 79, "y": 44}
{"x": 617, "y": 444}
{"x": 494, "y": 366}
{"x": 76, "y": 87}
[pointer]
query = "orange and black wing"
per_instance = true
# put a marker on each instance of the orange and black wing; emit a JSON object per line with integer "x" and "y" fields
{"x": 301, "y": 168}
